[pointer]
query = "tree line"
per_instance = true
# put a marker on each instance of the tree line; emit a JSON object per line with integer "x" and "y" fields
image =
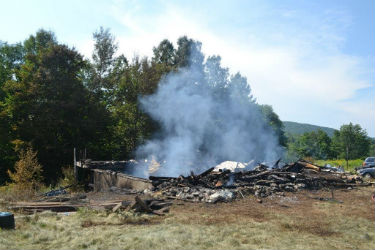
{"x": 350, "y": 142}
{"x": 52, "y": 100}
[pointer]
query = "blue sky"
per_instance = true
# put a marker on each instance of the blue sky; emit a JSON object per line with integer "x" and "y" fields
{"x": 313, "y": 61}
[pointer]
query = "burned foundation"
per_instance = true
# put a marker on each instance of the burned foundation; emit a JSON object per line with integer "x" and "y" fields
{"x": 109, "y": 175}
{"x": 216, "y": 184}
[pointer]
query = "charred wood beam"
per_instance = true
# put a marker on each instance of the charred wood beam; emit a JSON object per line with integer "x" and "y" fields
{"x": 208, "y": 171}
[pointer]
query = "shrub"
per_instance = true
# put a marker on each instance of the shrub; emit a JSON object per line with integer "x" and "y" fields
{"x": 28, "y": 172}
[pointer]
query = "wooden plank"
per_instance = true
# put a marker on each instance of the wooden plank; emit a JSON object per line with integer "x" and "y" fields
{"x": 309, "y": 165}
{"x": 55, "y": 208}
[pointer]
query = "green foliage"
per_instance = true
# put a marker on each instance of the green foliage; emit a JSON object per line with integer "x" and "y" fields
{"x": 104, "y": 65}
{"x": 47, "y": 103}
{"x": 218, "y": 79}
{"x": 41, "y": 41}
{"x": 314, "y": 144}
{"x": 372, "y": 147}
{"x": 188, "y": 52}
{"x": 104, "y": 49}
{"x": 164, "y": 53}
{"x": 274, "y": 121}
{"x": 132, "y": 126}
{"x": 351, "y": 142}
{"x": 296, "y": 129}
{"x": 11, "y": 58}
{"x": 48, "y": 106}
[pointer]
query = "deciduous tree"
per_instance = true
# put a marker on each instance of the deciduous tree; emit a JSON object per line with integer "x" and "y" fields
{"x": 351, "y": 142}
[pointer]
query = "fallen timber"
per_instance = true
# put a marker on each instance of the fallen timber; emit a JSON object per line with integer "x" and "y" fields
{"x": 153, "y": 206}
{"x": 262, "y": 181}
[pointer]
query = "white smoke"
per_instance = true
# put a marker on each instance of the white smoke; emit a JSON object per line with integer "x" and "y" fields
{"x": 206, "y": 118}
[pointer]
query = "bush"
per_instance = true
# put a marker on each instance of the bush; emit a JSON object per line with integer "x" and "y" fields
{"x": 69, "y": 179}
{"x": 28, "y": 172}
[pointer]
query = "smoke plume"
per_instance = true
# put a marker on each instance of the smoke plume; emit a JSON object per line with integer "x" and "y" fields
{"x": 206, "y": 117}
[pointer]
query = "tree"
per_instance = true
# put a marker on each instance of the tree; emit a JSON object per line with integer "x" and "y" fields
{"x": 131, "y": 125}
{"x": 11, "y": 58}
{"x": 324, "y": 142}
{"x": 372, "y": 147}
{"x": 274, "y": 121}
{"x": 189, "y": 53}
{"x": 351, "y": 142}
{"x": 106, "y": 67}
{"x": 217, "y": 77}
{"x": 104, "y": 50}
{"x": 239, "y": 89}
{"x": 53, "y": 100}
{"x": 49, "y": 106}
{"x": 315, "y": 144}
{"x": 164, "y": 53}
{"x": 42, "y": 40}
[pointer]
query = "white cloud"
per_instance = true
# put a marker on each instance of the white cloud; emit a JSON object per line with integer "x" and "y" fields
{"x": 85, "y": 47}
{"x": 305, "y": 76}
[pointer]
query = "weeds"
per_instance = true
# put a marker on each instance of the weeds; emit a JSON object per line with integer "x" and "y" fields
{"x": 341, "y": 162}
{"x": 69, "y": 179}
{"x": 12, "y": 192}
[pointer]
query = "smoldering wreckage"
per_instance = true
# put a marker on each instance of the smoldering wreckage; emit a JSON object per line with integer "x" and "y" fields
{"x": 224, "y": 183}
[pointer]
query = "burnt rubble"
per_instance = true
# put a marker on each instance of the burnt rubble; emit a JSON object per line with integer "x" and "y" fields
{"x": 224, "y": 185}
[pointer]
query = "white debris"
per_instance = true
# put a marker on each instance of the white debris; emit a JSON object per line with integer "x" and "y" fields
{"x": 222, "y": 195}
{"x": 229, "y": 165}
{"x": 233, "y": 166}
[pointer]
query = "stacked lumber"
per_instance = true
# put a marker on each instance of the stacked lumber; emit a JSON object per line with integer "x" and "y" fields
{"x": 31, "y": 207}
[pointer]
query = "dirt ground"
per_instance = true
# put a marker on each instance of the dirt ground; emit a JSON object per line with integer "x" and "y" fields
{"x": 301, "y": 220}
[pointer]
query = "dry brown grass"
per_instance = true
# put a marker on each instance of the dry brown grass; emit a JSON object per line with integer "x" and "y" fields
{"x": 296, "y": 221}
{"x": 13, "y": 192}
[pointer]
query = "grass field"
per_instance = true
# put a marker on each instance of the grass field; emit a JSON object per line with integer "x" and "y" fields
{"x": 294, "y": 221}
{"x": 341, "y": 162}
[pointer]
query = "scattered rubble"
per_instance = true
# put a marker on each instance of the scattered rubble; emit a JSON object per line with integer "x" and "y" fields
{"x": 226, "y": 181}
{"x": 223, "y": 183}
{"x": 55, "y": 192}
{"x": 152, "y": 206}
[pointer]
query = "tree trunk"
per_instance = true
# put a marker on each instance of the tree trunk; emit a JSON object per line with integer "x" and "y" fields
{"x": 347, "y": 158}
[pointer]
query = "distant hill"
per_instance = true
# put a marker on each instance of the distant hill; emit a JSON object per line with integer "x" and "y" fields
{"x": 296, "y": 128}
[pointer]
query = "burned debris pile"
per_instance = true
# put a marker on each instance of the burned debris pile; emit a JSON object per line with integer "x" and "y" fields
{"x": 224, "y": 185}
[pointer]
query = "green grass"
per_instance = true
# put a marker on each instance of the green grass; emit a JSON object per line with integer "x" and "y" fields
{"x": 341, "y": 162}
